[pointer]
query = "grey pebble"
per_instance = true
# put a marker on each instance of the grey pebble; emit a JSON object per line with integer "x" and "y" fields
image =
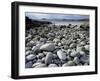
{"x": 61, "y": 55}
{"x": 28, "y": 65}
{"x": 52, "y": 65}
{"x": 49, "y": 58}
{"x": 69, "y": 63}
{"x": 48, "y": 47}
{"x": 40, "y": 65}
{"x": 30, "y": 57}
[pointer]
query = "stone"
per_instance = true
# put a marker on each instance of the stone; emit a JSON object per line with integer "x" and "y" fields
{"x": 30, "y": 57}
{"x": 43, "y": 39}
{"x": 85, "y": 59}
{"x": 40, "y": 65}
{"x": 36, "y": 49}
{"x": 40, "y": 55}
{"x": 74, "y": 53}
{"x": 48, "y": 47}
{"x": 76, "y": 60}
{"x": 87, "y": 47}
{"x": 61, "y": 55}
{"x": 52, "y": 65}
{"x": 35, "y": 64}
{"x": 73, "y": 45}
{"x": 27, "y": 48}
{"x": 28, "y": 65}
{"x": 82, "y": 43}
{"x": 30, "y": 44}
{"x": 49, "y": 58}
{"x": 69, "y": 63}
{"x": 28, "y": 52}
{"x": 80, "y": 48}
{"x": 56, "y": 40}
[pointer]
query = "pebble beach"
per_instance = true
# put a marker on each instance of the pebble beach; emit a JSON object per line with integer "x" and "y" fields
{"x": 54, "y": 45}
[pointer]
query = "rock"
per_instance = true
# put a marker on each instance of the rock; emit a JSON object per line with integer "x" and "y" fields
{"x": 35, "y": 64}
{"x": 84, "y": 59}
{"x": 50, "y": 35}
{"x": 76, "y": 60}
{"x": 74, "y": 53}
{"x": 49, "y": 58}
{"x": 28, "y": 37}
{"x": 73, "y": 45}
{"x": 48, "y": 47}
{"x": 57, "y": 61}
{"x": 28, "y": 52}
{"x": 87, "y": 47}
{"x": 40, "y": 65}
{"x": 80, "y": 48}
{"x": 56, "y": 40}
{"x": 59, "y": 44}
{"x": 40, "y": 55}
{"x": 52, "y": 65}
{"x": 27, "y": 48}
{"x": 68, "y": 58}
{"x": 30, "y": 57}
{"x": 61, "y": 55}
{"x": 82, "y": 53}
{"x": 30, "y": 44}
{"x": 69, "y": 63}
{"x": 55, "y": 56}
{"x": 63, "y": 61}
{"x": 43, "y": 59}
{"x": 82, "y": 43}
{"x": 28, "y": 65}
{"x": 43, "y": 40}
{"x": 69, "y": 51}
{"x": 36, "y": 49}
{"x": 86, "y": 64}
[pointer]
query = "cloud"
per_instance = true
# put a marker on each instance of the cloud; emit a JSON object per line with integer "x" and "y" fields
{"x": 32, "y": 15}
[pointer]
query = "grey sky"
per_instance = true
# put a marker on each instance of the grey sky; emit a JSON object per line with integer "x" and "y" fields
{"x": 32, "y": 15}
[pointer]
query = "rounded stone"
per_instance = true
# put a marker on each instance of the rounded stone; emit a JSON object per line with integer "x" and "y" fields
{"x": 86, "y": 47}
{"x": 69, "y": 63}
{"x": 73, "y": 45}
{"x": 52, "y": 65}
{"x": 27, "y": 48}
{"x": 61, "y": 55}
{"x": 76, "y": 60}
{"x": 74, "y": 53}
{"x": 35, "y": 64}
{"x": 48, "y": 47}
{"x": 49, "y": 58}
{"x": 28, "y": 52}
{"x": 28, "y": 64}
{"x": 30, "y": 57}
{"x": 40, "y": 65}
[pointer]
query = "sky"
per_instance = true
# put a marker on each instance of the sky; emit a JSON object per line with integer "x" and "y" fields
{"x": 32, "y": 15}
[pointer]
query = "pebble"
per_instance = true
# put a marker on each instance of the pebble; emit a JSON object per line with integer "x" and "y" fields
{"x": 27, "y": 48}
{"x": 76, "y": 60}
{"x": 48, "y": 47}
{"x": 61, "y": 55}
{"x": 49, "y": 58}
{"x": 28, "y": 65}
{"x": 69, "y": 63}
{"x": 74, "y": 53}
{"x": 30, "y": 57}
{"x": 52, "y": 65}
{"x": 40, "y": 65}
{"x": 28, "y": 52}
{"x": 73, "y": 45}
{"x": 86, "y": 47}
{"x": 35, "y": 64}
